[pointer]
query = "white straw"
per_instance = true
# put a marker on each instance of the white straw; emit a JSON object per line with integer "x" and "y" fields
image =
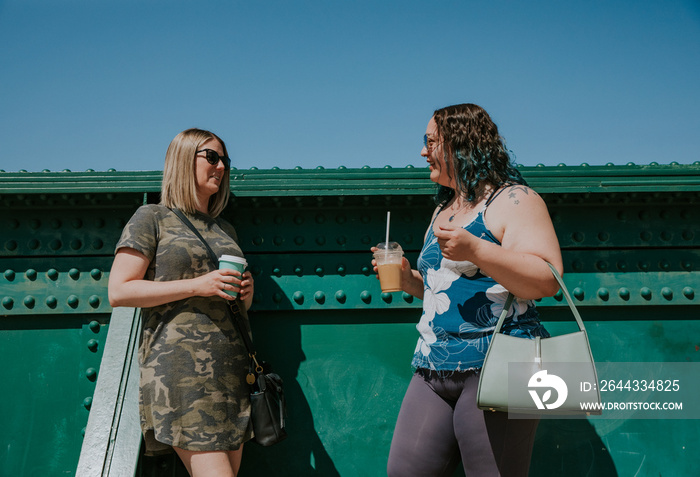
{"x": 388, "y": 218}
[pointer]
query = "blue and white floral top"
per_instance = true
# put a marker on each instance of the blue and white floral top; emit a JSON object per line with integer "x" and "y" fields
{"x": 461, "y": 307}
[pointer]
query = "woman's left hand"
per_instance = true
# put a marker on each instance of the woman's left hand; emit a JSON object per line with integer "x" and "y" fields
{"x": 247, "y": 286}
{"x": 456, "y": 243}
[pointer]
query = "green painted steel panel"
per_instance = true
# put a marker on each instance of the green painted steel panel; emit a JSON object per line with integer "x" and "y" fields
{"x": 631, "y": 251}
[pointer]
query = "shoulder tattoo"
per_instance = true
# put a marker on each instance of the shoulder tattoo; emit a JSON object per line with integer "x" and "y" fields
{"x": 516, "y": 191}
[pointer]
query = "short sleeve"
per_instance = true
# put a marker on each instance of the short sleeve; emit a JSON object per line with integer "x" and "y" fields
{"x": 141, "y": 232}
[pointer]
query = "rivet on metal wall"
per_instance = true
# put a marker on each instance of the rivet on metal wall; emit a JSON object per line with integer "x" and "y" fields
{"x": 74, "y": 273}
{"x": 34, "y": 244}
{"x": 11, "y": 245}
{"x": 320, "y": 218}
{"x": 645, "y": 292}
{"x": 603, "y": 236}
{"x": 277, "y": 272}
{"x": 93, "y": 345}
{"x": 559, "y": 296}
{"x": 94, "y": 326}
{"x": 258, "y": 240}
{"x": 29, "y": 301}
{"x": 365, "y": 219}
{"x": 386, "y": 297}
{"x": 342, "y": 240}
{"x": 366, "y": 239}
{"x": 278, "y": 219}
{"x": 341, "y": 270}
{"x": 667, "y": 293}
{"x": 55, "y": 244}
{"x": 298, "y": 297}
{"x": 35, "y": 224}
{"x": 644, "y": 266}
{"x": 320, "y": 240}
{"x": 8, "y": 303}
{"x": 31, "y": 274}
{"x": 341, "y": 218}
{"x": 622, "y": 266}
{"x": 87, "y": 403}
{"x": 99, "y": 223}
{"x": 407, "y": 297}
{"x": 256, "y": 271}
{"x": 51, "y": 301}
{"x": 689, "y": 293}
{"x": 576, "y": 265}
{"x": 687, "y": 235}
{"x": 687, "y": 265}
{"x": 279, "y": 240}
{"x": 624, "y": 293}
{"x": 666, "y": 235}
{"x": 94, "y": 301}
{"x": 603, "y": 294}
{"x": 622, "y": 215}
{"x": 298, "y": 219}
{"x": 77, "y": 223}
{"x": 73, "y": 301}
{"x": 298, "y": 270}
{"x": 408, "y": 238}
{"x": 319, "y": 271}
{"x": 299, "y": 240}
{"x": 96, "y": 273}
{"x": 365, "y": 271}
{"x": 97, "y": 244}
{"x": 340, "y": 296}
{"x": 645, "y": 236}
{"x": 9, "y": 275}
{"x": 578, "y": 237}
{"x": 320, "y": 297}
{"x": 277, "y": 297}
{"x": 664, "y": 265}
{"x": 601, "y": 265}
{"x": 366, "y": 297}
{"x": 578, "y": 293}
{"x": 91, "y": 374}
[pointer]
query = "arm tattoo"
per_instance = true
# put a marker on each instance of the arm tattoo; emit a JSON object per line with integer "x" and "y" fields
{"x": 512, "y": 193}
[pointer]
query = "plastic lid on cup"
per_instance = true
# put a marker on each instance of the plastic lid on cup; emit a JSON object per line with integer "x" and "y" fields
{"x": 390, "y": 247}
{"x": 233, "y": 258}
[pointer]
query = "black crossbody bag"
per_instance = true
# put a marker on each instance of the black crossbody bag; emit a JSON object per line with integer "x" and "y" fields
{"x": 268, "y": 405}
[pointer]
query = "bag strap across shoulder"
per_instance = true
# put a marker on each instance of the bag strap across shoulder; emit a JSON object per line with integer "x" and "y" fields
{"x": 233, "y": 304}
{"x": 565, "y": 292}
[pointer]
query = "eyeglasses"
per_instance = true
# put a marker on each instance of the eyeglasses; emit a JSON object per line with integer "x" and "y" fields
{"x": 429, "y": 143}
{"x": 213, "y": 158}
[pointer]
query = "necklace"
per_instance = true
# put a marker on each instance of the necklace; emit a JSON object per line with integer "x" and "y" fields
{"x": 452, "y": 217}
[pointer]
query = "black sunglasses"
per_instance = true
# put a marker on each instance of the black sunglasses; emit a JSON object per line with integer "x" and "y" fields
{"x": 213, "y": 158}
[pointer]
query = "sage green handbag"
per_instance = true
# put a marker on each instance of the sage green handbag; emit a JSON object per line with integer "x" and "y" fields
{"x": 523, "y": 375}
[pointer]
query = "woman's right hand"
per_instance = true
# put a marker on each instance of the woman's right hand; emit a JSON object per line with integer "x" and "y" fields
{"x": 411, "y": 281}
{"x": 217, "y": 283}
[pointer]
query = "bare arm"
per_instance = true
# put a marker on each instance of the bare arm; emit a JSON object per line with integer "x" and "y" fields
{"x": 520, "y": 220}
{"x": 127, "y": 286}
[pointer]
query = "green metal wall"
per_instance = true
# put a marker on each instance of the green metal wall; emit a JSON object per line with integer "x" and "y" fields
{"x": 630, "y": 243}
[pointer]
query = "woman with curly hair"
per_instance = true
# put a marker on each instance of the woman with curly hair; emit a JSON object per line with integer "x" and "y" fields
{"x": 489, "y": 235}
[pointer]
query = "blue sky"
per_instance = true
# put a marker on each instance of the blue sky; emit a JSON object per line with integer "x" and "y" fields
{"x": 107, "y": 84}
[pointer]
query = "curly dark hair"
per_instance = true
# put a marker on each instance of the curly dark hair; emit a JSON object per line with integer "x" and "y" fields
{"x": 474, "y": 151}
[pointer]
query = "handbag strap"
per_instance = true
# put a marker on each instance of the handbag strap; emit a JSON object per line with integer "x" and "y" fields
{"x": 565, "y": 292}
{"x": 233, "y": 304}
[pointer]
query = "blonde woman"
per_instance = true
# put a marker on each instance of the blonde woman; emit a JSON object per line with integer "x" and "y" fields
{"x": 193, "y": 394}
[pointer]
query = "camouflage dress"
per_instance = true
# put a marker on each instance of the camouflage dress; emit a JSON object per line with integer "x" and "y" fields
{"x": 193, "y": 393}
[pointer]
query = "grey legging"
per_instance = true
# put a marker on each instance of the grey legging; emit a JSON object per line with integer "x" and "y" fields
{"x": 439, "y": 424}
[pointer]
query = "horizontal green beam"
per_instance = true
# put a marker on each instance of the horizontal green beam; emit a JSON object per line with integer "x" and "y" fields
{"x": 372, "y": 181}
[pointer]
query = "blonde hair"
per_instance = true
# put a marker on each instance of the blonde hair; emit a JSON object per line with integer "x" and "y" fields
{"x": 179, "y": 188}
